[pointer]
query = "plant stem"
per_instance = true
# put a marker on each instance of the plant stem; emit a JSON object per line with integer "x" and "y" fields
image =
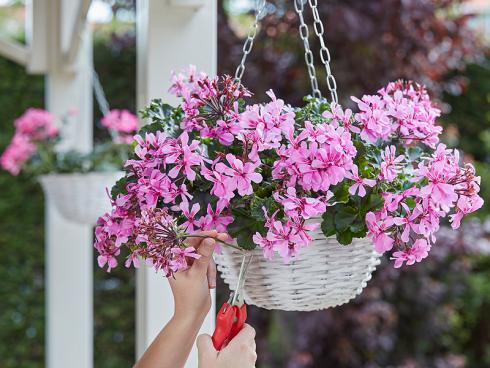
{"x": 210, "y": 237}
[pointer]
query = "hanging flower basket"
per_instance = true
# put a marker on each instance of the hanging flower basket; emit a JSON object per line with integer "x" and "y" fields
{"x": 325, "y": 274}
{"x": 317, "y": 193}
{"x": 80, "y": 197}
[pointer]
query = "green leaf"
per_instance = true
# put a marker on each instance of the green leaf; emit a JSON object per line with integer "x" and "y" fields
{"x": 150, "y": 128}
{"x": 344, "y": 217}
{"x": 345, "y": 237}
{"x": 358, "y": 228}
{"x": 376, "y": 201}
{"x": 328, "y": 225}
{"x": 341, "y": 193}
{"x": 257, "y": 204}
{"x": 243, "y": 228}
{"x": 119, "y": 187}
{"x": 245, "y": 241}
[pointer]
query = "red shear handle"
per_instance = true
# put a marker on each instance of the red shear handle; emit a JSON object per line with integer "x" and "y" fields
{"x": 241, "y": 317}
{"x": 229, "y": 322}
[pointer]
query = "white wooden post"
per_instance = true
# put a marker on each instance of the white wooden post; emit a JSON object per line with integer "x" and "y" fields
{"x": 170, "y": 36}
{"x": 69, "y": 250}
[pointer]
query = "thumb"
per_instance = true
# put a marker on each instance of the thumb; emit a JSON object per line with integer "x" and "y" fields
{"x": 206, "y": 352}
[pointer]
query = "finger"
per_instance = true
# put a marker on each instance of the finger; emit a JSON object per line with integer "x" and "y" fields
{"x": 223, "y": 236}
{"x": 205, "y": 250}
{"x": 196, "y": 241}
{"x": 205, "y": 348}
{"x": 211, "y": 274}
{"x": 245, "y": 336}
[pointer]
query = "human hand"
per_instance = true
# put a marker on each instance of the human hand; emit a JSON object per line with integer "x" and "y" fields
{"x": 239, "y": 353}
{"x": 191, "y": 287}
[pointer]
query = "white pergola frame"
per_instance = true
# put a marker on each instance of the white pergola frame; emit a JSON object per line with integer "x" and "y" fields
{"x": 171, "y": 34}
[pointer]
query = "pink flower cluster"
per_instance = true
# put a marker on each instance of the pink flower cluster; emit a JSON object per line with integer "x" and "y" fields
{"x": 35, "y": 125}
{"x": 400, "y": 110}
{"x": 123, "y": 123}
{"x": 409, "y": 219}
{"x": 209, "y": 99}
{"x": 227, "y": 154}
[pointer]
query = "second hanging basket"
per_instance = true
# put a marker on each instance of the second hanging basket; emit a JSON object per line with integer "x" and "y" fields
{"x": 80, "y": 197}
{"x": 325, "y": 274}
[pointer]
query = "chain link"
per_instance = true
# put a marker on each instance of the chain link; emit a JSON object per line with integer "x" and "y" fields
{"x": 324, "y": 52}
{"x": 304, "y": 34}
{"x": 100, "y": 96}
{"x": 249, "y": 42}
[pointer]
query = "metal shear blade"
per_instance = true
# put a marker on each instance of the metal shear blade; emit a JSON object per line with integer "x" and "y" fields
{"x": 236, "y": 297}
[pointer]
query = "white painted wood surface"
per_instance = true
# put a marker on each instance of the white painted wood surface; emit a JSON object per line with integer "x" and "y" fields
{"x": 37, "y": 35}
{"x": 69, "y": 250}
{"x": 169, "y": 37}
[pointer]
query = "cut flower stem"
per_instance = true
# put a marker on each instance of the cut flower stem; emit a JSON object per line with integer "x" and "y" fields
{"x": 210, "y": 237}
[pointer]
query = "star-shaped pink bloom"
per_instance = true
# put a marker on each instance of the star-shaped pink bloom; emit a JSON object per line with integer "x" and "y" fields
{"x": 241, "y": 174}
{"x": 359, "y": 183}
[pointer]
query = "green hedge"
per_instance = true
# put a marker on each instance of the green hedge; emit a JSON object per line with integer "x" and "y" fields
{"x": 21, "y": 235}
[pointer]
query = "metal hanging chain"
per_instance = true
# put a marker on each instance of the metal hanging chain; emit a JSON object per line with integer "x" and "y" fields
{"x": 249, "y": 42}
{"x": 102, "y": 102}
{"x": 324, "y": 52}
{"x": 304, "y": 34}
{"x": 100, "y": 96}
{"x": 260, "y": 6}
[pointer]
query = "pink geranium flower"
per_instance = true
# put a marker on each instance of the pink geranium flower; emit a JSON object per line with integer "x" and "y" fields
{"x": 465, "y": 206}
{"x": 339, "y": 116}
{"x": 300, "y": 206}
{"x": 17, "y": 153}
{"x": 190, "y": 215}
{"x": 181, "y": 257}
{"x": 389, "y": 162}
{"x": 266, "y": 245}
{"x": 223, "y": 186}
{"x": 121, "y": 121}
{"x": 187, "y": 157}
{"x": 215, "y": 219}
{"x": 36, "y": 125}
{"x": 359, "y": 183}
{"x": 242, "y": 175}
{"x": 378, "y": 232}
{"x": 415, "y": 253}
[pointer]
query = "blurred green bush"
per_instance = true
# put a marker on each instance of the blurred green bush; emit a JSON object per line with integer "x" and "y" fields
{"x": 21, "y": 235}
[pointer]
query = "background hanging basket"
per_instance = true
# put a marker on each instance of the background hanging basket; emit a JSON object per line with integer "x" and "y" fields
{"x": 80, "y": 197}
{"x": 325, "y": 274}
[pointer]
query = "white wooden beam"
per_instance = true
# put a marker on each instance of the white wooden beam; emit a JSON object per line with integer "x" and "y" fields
{"x": 77, "y": 31}
{"x": 13, "y": 50}
{"x": 69, "y": 246}
{"x": 37, "y": 35}
{"x": 188, "y": 3}
{"x": 168, "y": 38}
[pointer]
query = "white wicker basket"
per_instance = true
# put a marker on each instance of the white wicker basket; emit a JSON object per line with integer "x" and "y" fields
{"x": 325, "y": 274}
{"x": 80, "y": 197}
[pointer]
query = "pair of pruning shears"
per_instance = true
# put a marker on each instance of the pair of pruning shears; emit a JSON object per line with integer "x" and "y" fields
{"x": 232, "y": 314}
